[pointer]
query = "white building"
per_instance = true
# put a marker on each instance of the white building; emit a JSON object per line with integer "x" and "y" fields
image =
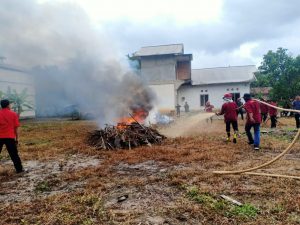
{"x": 211, "y": 84}
{"x": 167, "y": 70}
{"x": 17, "y": 80}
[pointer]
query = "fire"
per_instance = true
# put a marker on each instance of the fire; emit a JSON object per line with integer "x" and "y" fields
{"x": 138, "y": 116}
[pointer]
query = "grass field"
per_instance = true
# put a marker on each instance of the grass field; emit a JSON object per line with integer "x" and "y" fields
{"x": 71, "y": 183}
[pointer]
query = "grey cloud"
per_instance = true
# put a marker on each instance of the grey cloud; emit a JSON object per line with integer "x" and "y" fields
{"x": 242, "y": 21}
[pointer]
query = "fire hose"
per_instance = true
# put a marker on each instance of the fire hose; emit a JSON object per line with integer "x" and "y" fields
{"x": 248, "y": 171}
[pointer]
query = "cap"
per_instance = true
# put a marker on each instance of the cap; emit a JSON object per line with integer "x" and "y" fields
{"x": 247, "y": 96}
{"x": 227, "y": 95}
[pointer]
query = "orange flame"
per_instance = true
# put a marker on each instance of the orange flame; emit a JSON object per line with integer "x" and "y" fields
{"x": 138, "y": 115}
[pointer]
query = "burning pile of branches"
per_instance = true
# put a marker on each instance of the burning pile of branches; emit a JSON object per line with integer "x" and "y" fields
{"x": 125, "y": 136}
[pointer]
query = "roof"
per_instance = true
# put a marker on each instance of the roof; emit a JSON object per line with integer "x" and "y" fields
{"x": 160, "y": 50}
{"x": 219, "y": 75}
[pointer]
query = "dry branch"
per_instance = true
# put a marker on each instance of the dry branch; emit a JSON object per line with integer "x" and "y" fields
{"x": 124, "y": 136}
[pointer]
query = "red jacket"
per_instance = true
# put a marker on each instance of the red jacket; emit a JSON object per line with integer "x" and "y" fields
{"x": 253, "y": 107}
{"x": 272, "y": 111}
{"x": 263, "y": 108}
{"x": 9, "y": 120}
{"x": 229, "y": 109}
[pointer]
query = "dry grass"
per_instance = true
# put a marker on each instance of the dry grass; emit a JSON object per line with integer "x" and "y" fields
{"x": 170, "y": 183}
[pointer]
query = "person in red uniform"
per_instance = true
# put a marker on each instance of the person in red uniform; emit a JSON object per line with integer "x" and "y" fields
{"x": 253, "y": 120}
{"x": 229, "y": 110}
{"x": 264, "y": 111}
{"x": 273, "y": 113}
{"x": 9, "y": 123}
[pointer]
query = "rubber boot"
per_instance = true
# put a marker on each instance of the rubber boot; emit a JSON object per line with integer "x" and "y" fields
{"x": 235, "y": 138}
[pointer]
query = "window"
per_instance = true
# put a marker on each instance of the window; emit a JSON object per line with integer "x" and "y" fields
{"x": 203, "y": 100}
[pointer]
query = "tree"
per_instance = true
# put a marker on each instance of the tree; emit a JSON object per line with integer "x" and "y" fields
{"x": 20, "y": 100}
{"x": 280, "y": 71}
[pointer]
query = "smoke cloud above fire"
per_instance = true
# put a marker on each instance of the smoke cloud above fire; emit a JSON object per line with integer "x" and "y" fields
{"x": 73, "y": 64}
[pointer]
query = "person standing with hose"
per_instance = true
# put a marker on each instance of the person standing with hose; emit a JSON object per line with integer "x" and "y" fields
{"x": 253, "y": 120}
{"x": 296, "y": 105}
{"x": 229, "y": 110}
{"x": 273, "y": 113}
{"x": 264, "y": 111}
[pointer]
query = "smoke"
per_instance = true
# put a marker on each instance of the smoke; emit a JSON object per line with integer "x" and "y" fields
{"x": 73, "y": 62}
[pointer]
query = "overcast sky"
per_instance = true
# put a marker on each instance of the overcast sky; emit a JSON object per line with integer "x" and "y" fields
{"x": 216, "y": 32}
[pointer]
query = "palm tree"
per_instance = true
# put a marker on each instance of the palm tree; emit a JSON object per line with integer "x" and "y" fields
{"x": 20, "y": 100}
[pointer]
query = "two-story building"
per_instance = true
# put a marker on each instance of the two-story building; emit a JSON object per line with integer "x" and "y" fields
{"x": 167, "y": 70}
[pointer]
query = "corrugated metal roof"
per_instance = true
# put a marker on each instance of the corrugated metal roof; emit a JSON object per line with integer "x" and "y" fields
{"x": 219, "y": 75}
{"x": 160, "y": 50}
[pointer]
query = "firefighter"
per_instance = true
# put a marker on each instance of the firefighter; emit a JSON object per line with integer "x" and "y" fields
{"x": 9, "y": 123}
{"x": 253, "y": 120}
{"x": 229, "y": 110}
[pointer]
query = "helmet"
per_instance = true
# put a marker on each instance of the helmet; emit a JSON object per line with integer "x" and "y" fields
{"x": 227, "y": 95}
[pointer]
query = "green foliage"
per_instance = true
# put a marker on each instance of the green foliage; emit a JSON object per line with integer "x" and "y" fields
{"x": 244, "y": 211}
{"x": 281, "y": 71}
{"x": 20, "y": 102}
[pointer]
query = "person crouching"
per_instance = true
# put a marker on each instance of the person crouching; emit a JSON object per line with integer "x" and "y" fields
{"x": 229, "y": 110}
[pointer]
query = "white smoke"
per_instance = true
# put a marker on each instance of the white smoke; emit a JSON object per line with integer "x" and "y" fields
{"x": 73, "y": 62}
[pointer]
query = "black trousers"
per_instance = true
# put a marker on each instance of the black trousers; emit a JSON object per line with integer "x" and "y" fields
{"x": 11, "y": 147}
{"x": 264, "y": 116}
{"x": 273, "y": 121}
{"x": 240, "y": 111}
{"x": 234, "y": 126}
{"x": 297, "y": 118}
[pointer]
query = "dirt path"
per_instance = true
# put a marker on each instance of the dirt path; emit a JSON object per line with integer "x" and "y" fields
{"x": 187, "y": 125}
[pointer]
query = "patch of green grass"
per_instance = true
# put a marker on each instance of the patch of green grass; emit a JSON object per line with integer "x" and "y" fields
{"x": 42, "y": 186}
{"x": 245, "y": 211}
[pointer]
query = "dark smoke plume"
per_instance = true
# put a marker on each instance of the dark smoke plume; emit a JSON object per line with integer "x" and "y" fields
{"x": 73, "y": 63}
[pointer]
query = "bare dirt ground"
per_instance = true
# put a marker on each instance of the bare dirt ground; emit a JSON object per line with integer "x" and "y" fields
{"x": 71, "y": 183}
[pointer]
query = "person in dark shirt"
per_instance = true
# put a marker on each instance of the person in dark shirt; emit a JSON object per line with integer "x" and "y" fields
{"x": 229, "y": 110}
{"x": 186, "y": 107}
{"x": 178, "y": 109}
{"x": 9, "y": 123}
{"x": 273, "y": 113}
{"x": 240, "y": 110}
{"x": 253, "y": 120}
{"x": 296, "y": 105}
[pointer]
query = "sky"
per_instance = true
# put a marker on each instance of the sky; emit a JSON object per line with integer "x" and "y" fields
{"x": 216, "y": 32}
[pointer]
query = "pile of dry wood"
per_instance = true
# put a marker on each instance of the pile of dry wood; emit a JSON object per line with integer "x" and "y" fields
{"x": 124, "y": 136}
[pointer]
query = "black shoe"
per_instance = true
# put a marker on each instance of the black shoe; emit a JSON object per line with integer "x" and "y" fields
{"x": 250, "y": 143}
{"x": 22, "y": 171}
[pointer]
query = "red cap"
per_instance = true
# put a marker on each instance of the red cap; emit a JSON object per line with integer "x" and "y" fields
{"x": 227, "y": 95}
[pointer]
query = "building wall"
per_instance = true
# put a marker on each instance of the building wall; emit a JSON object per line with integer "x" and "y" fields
{"x": 158, "y": 68}
{"x": 18, "y": 81}
{"x": 215, "y": 92}
{"x": 165, "y": 96}
{"x": 184, "y": 70}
